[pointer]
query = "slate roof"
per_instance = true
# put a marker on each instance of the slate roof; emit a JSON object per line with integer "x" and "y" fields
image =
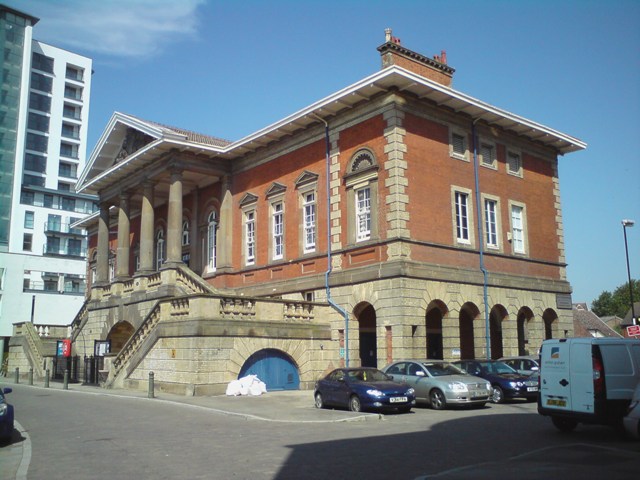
{"x": 584, "y": 322}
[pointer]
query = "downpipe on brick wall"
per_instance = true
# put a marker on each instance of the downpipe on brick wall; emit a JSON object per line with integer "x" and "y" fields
{"x": 330, "y": 300}
{"x": 487, "y": 331}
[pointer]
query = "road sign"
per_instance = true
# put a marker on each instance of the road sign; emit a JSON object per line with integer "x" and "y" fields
{"x": 633, "y": 330}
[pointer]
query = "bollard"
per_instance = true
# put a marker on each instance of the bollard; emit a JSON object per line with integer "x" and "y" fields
{"x": 31, "y": 376}
{"x": 151, "y": 386}
{"x": 66, "y": 380}
{"x": 17, "y": 379}
{"x": 46, "y": 378}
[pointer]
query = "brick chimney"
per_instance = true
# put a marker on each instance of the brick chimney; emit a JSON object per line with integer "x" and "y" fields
{"x": 435, "y": 68}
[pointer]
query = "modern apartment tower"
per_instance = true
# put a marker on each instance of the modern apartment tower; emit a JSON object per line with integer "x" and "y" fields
{"x": 44, "y": 113}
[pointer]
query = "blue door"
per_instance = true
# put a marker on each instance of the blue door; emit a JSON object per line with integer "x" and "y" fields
{"x": 274, "y": 368}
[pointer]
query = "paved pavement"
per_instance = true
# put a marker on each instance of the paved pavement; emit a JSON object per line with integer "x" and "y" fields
{"x": 295, "y": 406}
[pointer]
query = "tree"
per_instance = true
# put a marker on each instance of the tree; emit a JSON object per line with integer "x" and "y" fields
{"x": 617, "y": 303}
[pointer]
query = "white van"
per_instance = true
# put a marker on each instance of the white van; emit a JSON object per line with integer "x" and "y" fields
{"x": 587, "y": 380}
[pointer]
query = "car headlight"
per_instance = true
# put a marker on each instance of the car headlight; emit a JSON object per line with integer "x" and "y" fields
{"x": 411, "y": 391}
{"x": 375, "y": 393}
{"x": 3, "y": 409}
{"x": 513, "y": 384}
{"x": 457, "y": 387}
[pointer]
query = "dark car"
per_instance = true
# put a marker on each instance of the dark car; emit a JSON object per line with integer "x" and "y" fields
{"x": 363, "y": 388}
{"x": 506, "y": 382}
{"x": 6, "y": 416}
{"x": 527, "y": 365}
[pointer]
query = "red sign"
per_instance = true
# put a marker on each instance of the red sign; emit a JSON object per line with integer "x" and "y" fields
{"x": 66, "y": 348}
{"x": 633, "y": 330}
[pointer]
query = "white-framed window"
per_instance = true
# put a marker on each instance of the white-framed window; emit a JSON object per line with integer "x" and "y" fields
{"x": 363, "y": 213}
{"x": 309, "y": 296}
{"x": 491, "y": 222}
{"x": 309, "y": 207}
{"x": 514, "y": 163}
{"x": 517, "y": 229}
{"x": 488, "y": 154}
{"x": 161, "y": 248}
{"x": 112, "y": 268}
{"x": 462, "y": 217}
{"x": 186, "y": 236}
{"x": 250, "y": 236}
{"x": 458, "y": 144}
{"x": 212, "y": 231}
{"x": 277, "y": 224}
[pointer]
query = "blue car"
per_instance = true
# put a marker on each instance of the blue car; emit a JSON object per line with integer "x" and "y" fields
{"x": 505, "y": 380}
{"x": 6, "y": 416}
{"x": 363, "y": 388}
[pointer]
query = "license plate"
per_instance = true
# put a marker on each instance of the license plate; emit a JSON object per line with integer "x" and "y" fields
{"x": 398, "y": 400}
{"x": 556, "y": 402}
{"x": 532, "y": 389}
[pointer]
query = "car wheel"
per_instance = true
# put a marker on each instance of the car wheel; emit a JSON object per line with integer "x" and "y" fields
{"x": 437, "y": 399}
{"x": 354, "y": 404}
{"x": 498, "y": 395}
{"x": 319, "y": 401}
{"x": 564, "y": 424}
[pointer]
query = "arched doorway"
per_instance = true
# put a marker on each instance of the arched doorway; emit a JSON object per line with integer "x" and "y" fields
{"x": 433, "y": 322}
{"x": 549, "y": 317}
{"x": 366, "y": 315}
{"x": 468, "y": 313}
{"x": 525, "y": 315}
{"x": 274, "y": 367}
{"x": 496, "y": 317}
{"x": 119, "y": 335}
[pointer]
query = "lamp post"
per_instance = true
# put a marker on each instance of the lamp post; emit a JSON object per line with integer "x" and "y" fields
{"x": 629, "y": 223}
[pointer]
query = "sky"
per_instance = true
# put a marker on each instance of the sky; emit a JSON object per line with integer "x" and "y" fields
{"x": 229, "y": 68}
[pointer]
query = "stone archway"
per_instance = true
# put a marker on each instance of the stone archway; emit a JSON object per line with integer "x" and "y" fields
{"x": 496, "y": 317}
{"x": 119, "y": 335}
{"x": 368, "y": 348}
{"x": 525, "y": 315}
{"x": 433, "y": 322}
{"x": 550, "y": 318}
{"x": 468, "y": 313}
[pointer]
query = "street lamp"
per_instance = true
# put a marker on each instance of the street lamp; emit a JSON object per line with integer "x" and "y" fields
{"x": 629, "y": 223}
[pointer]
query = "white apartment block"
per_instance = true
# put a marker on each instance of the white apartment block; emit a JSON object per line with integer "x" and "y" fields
{"x": 44, "y": 114}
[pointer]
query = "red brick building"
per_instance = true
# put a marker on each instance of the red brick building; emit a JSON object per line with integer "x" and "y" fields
{"x": 428, "y": 219}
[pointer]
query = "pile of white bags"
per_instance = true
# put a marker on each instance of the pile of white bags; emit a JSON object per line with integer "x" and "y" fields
{"x": 249, "y": 385}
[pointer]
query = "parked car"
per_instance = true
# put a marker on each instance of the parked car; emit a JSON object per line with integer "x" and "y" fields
{"x": 439, "y": 383}
{"x": 363, "y": 388}
{"x": 632, "y": 418}
{"x": 6, "y": 416}
{"x": 525, "y": 365}
{"x": 505, "y": 381}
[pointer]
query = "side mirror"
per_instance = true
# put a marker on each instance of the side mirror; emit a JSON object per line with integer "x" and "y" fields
{"x": 535, "y": 369}
{"x": 7, "y": 390}
{"x": 420, "y": 373}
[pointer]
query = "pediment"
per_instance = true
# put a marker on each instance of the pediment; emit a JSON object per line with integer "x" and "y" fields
{"x": 248, "y": 199}
{"x": 306, "y": 178}
{"x": 133, "y": 141}
{"x": 276, "y": 189}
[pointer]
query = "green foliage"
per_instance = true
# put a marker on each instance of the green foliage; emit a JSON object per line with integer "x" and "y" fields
{"x": 617, "y": 303}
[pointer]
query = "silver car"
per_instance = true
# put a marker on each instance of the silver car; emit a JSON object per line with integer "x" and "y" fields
{"x": 440, "y": 383}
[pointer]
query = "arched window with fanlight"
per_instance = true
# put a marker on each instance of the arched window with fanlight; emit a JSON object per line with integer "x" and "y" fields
{"x": 212, "y": 230}
{"x": 161, "y": 248}
{"x": 361, "y": 181}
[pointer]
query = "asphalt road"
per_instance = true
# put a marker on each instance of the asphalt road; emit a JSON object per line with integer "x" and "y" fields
{"x": 73, "y": 435}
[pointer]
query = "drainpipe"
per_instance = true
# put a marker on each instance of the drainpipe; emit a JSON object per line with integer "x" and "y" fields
{"x": 487, "y": 332}
{"x": 330, "y": 300}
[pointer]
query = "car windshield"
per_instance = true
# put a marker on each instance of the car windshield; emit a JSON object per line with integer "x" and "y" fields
{"x": 440, "y": 369}
{"x": 366, "y": 376}
{"x": 496, "y": 367}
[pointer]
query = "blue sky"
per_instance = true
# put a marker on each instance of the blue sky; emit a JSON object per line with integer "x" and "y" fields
{"x": 229, "y": 68}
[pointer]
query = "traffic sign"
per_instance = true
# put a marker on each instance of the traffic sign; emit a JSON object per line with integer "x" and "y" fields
{"x": 633, "y": 330}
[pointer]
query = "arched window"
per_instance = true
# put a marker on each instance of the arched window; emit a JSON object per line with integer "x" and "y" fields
{"x": 161, "y": 249}
{"x": 212, "y": 230}
{"x": 186, "y": 239}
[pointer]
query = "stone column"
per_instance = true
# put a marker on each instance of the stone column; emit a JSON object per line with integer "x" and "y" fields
{"x": 146, "y": 229}
{"x": 224, "y": 238}
{"x": 174, "y": 227}
{"x": 102, "y": 260}
{"x": 194, "y": 256}
{"x": 124, "y": 240}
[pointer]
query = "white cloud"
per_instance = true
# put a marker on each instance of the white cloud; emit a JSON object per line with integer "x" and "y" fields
{"x": 119, "y": 28}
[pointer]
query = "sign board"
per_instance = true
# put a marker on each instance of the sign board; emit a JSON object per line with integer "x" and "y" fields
{"x": 342, "y": 353}
{"x": 633, "y": 330}
{"x": 63, "y": 348}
